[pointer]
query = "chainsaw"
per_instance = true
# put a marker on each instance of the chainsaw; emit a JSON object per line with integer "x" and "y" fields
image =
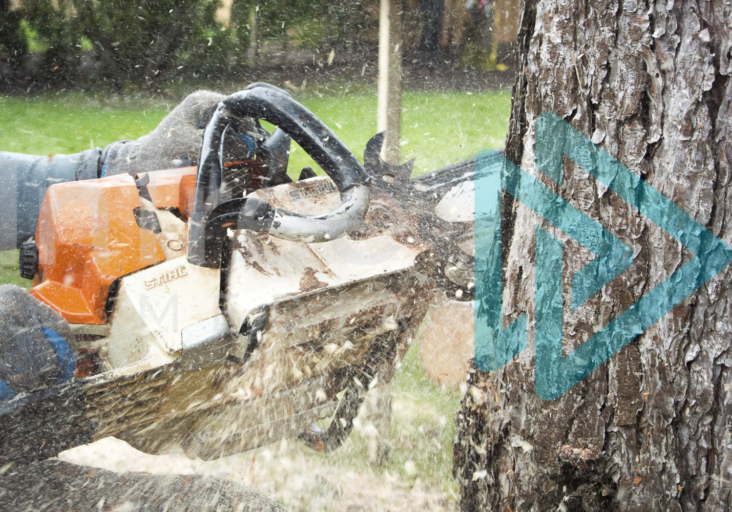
{"x": 225, "y": 306}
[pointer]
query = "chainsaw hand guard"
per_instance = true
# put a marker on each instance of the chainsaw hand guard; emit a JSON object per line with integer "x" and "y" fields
{"x": 212, "y": 214}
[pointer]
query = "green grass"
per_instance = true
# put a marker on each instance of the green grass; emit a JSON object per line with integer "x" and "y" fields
{"x": 9, "y": 270}
{"x": 69, "y": 124}
{"x": 437, "y": 128}
{"x": 422, "y": 430}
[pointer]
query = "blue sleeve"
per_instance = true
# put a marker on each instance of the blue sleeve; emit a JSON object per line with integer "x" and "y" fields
{"x": 23, "y": 183}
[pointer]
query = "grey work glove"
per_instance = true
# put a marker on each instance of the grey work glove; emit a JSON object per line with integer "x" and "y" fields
{"x": 176, "y": 141}
{"x": 36, "y": 344}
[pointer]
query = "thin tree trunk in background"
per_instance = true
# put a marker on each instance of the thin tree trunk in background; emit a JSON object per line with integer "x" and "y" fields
{"x": 453, "y": 23}
{"x": 389, "y": 107}
{"x": 505, "y": 20}
{"x": 10, "y": 36}
{"x": 253, "y": 51}
{"x": 389, "y": 119}
{"x": 285, "y": 44}
{"x": 651, "y": 428}
{"x": 431, "y": 12}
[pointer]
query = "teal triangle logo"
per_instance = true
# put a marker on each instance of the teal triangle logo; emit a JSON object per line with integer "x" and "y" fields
{"x": 554, "y": 372}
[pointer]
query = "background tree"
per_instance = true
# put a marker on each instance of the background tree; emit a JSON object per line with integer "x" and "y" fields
{"x": 651, "y": 429}
{"x": 57, "y": 30}
{"x": 136, "y": 40}
{"x": 12, "y": 38}
{"x": 431, "y": 14}
{"x": 150, "y": 41}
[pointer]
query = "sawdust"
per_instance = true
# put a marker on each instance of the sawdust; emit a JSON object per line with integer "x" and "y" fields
{"x": 447, "y": 342}
{"x": 415, "y": 475}
{"x": 284, "y": 472}
{"x": 310, "y": 282}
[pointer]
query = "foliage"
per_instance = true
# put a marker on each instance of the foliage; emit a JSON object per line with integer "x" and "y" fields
{"x": 12, "y": 36}
{"x": 134, "y": 41}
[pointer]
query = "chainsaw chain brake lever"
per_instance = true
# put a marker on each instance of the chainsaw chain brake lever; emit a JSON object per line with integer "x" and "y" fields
{"x": 387, "y": 176}
{"x": 214, "y": 214}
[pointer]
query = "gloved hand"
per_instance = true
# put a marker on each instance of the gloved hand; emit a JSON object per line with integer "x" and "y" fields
{"x": 176, "y": 141}
{"x": 35, "y": 344}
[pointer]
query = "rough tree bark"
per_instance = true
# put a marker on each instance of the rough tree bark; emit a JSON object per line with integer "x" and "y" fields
{"x": 649, "y": 81}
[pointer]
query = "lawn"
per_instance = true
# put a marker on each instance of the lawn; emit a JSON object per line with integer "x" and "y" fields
{"x": 437, "y": 128}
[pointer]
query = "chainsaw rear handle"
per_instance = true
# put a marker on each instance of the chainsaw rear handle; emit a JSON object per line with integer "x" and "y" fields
{"x": 212, "y": 214}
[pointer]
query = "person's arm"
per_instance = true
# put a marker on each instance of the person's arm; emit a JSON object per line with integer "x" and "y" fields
{"x": 23, "y": 183}
{"x": 175, "y": 141}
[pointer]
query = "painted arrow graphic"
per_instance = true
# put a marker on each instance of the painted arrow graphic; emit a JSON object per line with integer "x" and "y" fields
{"x": 555, "y": 373}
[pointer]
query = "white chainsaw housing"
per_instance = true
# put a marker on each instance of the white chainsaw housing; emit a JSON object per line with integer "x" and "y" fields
{"x": 164, "y": 311}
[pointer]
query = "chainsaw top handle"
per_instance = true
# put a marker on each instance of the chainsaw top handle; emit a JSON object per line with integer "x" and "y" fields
{"x": 212, "y": 216}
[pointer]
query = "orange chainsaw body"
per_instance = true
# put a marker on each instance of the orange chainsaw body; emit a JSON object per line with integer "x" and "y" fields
{"x": 87, "y": 237}
{"x": 173, "y": 188}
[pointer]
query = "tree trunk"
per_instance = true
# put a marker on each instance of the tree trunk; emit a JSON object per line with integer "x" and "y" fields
{"x": 431, "y": 13}
{"x": 389, "y": 108}
{"x": 253, "y": 50}
{"x": 11, "y": 37}
{"x": 651, "y": 429}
